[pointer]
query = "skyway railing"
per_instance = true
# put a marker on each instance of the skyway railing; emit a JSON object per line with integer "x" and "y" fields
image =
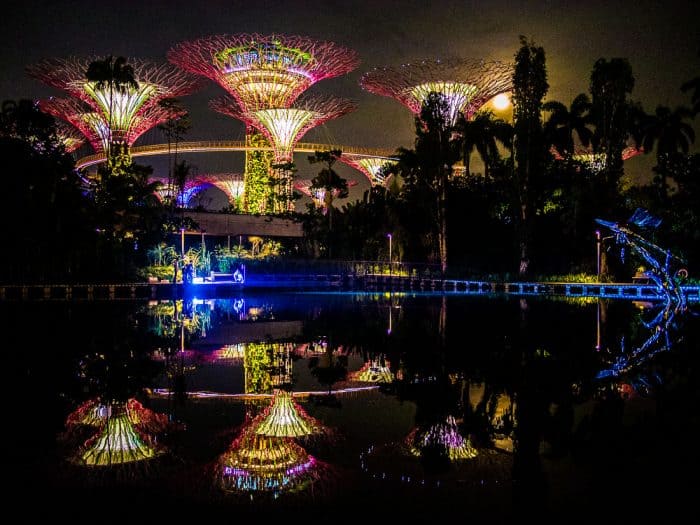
{"x": 232, "y": 145}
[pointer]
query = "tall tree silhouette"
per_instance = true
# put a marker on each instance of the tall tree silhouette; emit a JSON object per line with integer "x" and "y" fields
{"x": 529, "y": 88}
{"x": 563, "y": 122}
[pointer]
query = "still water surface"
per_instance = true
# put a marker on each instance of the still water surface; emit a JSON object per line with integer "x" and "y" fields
{"x": 346, "y": 407}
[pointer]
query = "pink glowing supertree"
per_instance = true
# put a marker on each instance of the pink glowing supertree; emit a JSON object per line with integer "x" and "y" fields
{"x": 595, "y": 161}
{"x": 370, "y": 167}
{"x": 230, "y": 183}
{"x": 96, "y": 129}
{"x": 118, "y": 114}
{"x": 466, "y": 84}
{"x": 283, "y": 127}
{"x": 263, "y": 71}
{"x": 69, "y": 136}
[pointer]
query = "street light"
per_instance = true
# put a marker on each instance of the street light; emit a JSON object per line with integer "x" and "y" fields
{"x": 390, "y": 237}
{"x": 598, "y": 242}
{"x": 597, "y": 247}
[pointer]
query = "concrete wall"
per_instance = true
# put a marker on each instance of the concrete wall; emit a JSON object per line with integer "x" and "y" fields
{"x": 227, "y": 224}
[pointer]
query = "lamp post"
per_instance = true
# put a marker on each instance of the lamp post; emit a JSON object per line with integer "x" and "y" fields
{"x": 597, "y": 248}
{"x": 390, "y": 238}
{"x": 182, "y": 242}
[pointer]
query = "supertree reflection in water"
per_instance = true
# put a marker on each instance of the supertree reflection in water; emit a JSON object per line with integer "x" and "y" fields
{"x": 267, "y": 465}
{"x": 375, "y": 370}
{"x": 443, "y": 436}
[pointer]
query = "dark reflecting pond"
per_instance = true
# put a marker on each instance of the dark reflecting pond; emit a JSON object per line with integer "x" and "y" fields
{"x": 347, "y": 407}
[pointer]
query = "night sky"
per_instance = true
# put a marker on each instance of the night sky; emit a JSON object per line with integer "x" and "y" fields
{"x": 660, "y": 39}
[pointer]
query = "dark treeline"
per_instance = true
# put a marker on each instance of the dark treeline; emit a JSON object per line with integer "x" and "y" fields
{"x": 546, "y": 178}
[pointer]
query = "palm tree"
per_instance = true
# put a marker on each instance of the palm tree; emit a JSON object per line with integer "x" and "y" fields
{"x": 329, "y": 181}
{"x": 483, "y": 133}
{"x": 669, "y": 133}
{"x": 174, "y": 129}
{"x": 563, "y": 122}
{"x": 118, "y": 77}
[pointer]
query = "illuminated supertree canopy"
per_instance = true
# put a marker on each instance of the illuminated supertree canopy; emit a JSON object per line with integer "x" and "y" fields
{"x": 70, "y": 137}
{"x": 443, "y": 434}
{"x": 370, "y": 167}
{"x": 127, "y": 112}
{"x": 466, "y": 84}
{"x": 374, "y": 371}
{"x": 283, "y": 127}
{"x": 263, "y": 71}
{"x": 95, "y": 127}
{"x": 285, "y": 418}
{"x": 256, "y": 463}
{"x": 596, "y": 161}
{"x": 166, "y": 192}
{"x": 119, "y": 442}
{"x": 95, "y": 413}
{"x": 230, "y": 183}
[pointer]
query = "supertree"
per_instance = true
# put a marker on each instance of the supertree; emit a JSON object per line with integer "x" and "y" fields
{"x": 69, "y": 136}
{"x": 283, "y": 127}
{"x": 285, "y": 418}
{"x": 595, "y": 161}
{"x": 230, "y": 183}
{"x": 318, "y": 194}
{"x": 444, "y": 435}
{"x": 120, "y": 112}
{"x": 264, "y": 464}
{"x": 374, "y": 371}
{"x": 167, "y": 192}
{"x": 370, "y": 167}
{"x": 262, "y": 72}
{"x": 119, "y": 441}
{"x": 466, "y": 84}
{"x": 95, "y": 127}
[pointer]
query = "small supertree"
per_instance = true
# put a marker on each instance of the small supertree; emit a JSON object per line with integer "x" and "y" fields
{"x": 230, "y": 183}
{"x": 371, "y": 167}
{"x": 466, "y": 84}
{"x": 122, "y": 112}
{"x": 443, "y": 435}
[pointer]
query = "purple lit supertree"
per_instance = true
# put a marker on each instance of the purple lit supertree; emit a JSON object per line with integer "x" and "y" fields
{"x": 118, "y": 114}
{"x": 185, "y": 196}
{"x": 283, "y": 127}
{"x": 262, "y": 72}
{"x": 466, "y": 84}
{"x": 95, "y": 128}
{"x": 370, "y": 167}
